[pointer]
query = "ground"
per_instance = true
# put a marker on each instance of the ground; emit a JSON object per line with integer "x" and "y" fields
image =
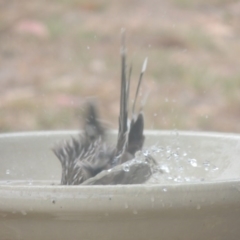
{"x": 56, "y": 54}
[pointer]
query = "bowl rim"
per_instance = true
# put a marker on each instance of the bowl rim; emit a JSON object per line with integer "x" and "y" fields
{"x": 146, "y": 132}
{"x": 94, "y": 200}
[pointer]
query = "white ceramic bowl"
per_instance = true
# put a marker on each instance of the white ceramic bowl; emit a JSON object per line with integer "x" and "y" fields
{"x": 33, "y": 209}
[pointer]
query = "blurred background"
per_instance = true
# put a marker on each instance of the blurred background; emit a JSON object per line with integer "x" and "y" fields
{"x": 56, "y": 54}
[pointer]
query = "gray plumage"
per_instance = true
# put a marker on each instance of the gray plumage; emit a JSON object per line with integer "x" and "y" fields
{"x": 87, "y": 155}
{"x": 84, "y": 157}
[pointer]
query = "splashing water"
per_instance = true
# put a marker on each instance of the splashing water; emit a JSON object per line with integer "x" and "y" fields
{"x": 176, "y": 164}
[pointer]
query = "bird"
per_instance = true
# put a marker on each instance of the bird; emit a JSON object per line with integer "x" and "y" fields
{"x": 89, "y": 154}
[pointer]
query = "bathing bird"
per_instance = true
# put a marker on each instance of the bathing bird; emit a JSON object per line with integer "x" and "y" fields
{"x": 89, "y": 154}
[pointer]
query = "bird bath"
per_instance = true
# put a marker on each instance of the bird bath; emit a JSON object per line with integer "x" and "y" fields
{"x": 198, "y": 199}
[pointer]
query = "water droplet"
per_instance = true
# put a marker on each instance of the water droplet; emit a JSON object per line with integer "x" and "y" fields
{"x": 7, "y": 171}
{"x": 88, "y": 47}
{"x": 206, "y": 165}
{"x": 176, "y": 155}
{"x": 166, "y": 100}
{"x": 193, "y": 162}
{"x": 146, "y": 153}
{"x": 126, "y": 205}
{"x": 53, "y": 201}
{"x": 126, "y": 167}
{"x": 178, "y": 179}
{"x": 164, "y": 169}
{"x": 164, "y": 189}
{"x": 215, "y": 168}
{"x": 198, "y": 207}
{"x": 155, "y": 114}
{"x": 184, "y": 154}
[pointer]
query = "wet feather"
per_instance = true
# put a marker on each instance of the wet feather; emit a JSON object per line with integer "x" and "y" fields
{"x": 88, "y": 155}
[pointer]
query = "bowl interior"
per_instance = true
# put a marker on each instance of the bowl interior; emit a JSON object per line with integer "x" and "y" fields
{"x": 27, "y": 158}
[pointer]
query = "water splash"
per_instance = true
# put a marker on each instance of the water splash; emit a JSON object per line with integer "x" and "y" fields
{"x": 175, "y": 164}
{"x": 126, "y": 167}
{"x": 193, "y": 162}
